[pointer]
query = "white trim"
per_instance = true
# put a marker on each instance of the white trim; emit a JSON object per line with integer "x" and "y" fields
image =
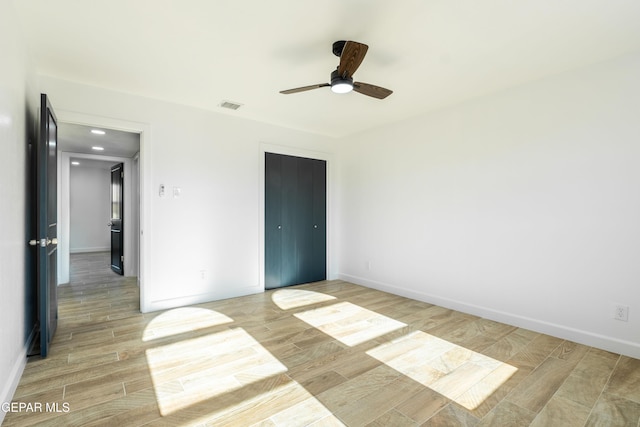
{"x": 614, "y": 345}
{"x": 85, "y": 250}
{"x": 144, "y": 129}
{"x": 298, "y": 152}
{"x": 184, "y": 300}
{"x": 11, "y": 385}
{"x": 64, "y": 217}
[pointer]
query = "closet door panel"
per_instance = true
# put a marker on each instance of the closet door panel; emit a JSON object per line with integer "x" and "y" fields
{"x": 319, "y": 214}
{"x": 304, "y": 221}
{"x": 289, "y": 253}
{"x": 273, "y": 221}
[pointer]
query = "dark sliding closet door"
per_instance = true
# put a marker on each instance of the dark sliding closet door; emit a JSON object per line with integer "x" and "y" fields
{"x": 295, "y": 220}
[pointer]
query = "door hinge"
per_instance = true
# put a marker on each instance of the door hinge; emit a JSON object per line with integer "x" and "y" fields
{"x": 122, "y": 174}
{"x": 121, "y": 258}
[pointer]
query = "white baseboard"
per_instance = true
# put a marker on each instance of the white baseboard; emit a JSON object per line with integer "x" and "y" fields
{"x": 13, "y": 380}
{"x": 164, "y": 304}
{"x": 614, "y": 345}
{"x": 83, "y": 250}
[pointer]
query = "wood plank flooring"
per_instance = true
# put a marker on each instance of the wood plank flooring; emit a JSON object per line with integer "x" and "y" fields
{"x": 322, "y": 354}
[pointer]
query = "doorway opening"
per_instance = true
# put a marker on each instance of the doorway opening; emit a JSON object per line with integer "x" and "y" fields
{"x": 87, "y": 155}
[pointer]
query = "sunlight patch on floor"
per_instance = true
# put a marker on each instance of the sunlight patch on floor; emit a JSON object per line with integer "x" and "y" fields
{"x": 308, "y": 412}
{"x": 285, "y": 405}
{"x": 457, "y": 373}
{"x": 182, "y": 320}
{"x": 349, "y": 323}
{"x": 293, "y": 298}
{"x": 197, "y": 369}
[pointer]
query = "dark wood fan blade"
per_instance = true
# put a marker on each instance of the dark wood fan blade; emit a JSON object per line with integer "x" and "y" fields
{"x": 304, "y": 88}
{"x": 352, "y": 55}
{"x": 371, "y": 90}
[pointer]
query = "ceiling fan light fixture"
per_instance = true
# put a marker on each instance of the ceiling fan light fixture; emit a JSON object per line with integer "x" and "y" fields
{"x": 340, "y": 84}
{"x": 351, "y": 55}
{"x": 342, "y": 87}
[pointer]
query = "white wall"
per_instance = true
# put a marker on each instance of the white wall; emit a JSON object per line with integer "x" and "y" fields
{"x": 89, "y": 209}
{"x": 216, "y": 160}
{"x": 522, "y": 206}
{"x": 15, "y": 113}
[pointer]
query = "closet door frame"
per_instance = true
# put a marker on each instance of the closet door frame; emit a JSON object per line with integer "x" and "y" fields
{"x": 310, "y": 154}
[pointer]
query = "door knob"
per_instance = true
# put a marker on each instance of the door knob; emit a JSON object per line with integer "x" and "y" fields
{"x": 54, "y": 241}
{"x": 109, "y": 224}
{"x": 42, "y": 242}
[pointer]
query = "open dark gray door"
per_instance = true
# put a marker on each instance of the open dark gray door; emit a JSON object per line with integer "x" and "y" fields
{"x": 46, "y": 241}
{"x": 117, "y": 210}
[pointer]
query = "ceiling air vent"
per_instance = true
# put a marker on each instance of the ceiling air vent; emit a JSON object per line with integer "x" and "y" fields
{"x": 230, "y": 105}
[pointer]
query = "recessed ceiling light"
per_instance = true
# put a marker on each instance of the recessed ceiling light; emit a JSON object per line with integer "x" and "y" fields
{"x": 75, "y": 163}
{"x": 97, "y": 148}
{"x": 97, "y": 131}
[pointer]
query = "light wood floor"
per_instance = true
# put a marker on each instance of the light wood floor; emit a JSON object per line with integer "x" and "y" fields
{"x": 324, "y": 354}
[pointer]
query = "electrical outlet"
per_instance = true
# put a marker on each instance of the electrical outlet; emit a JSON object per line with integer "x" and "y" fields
{"x": 203, "y": 274}
{"x": 621, "y": 312}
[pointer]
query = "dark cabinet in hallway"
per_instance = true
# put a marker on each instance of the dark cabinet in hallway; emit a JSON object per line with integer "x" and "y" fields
{"x": 295, "y": 220}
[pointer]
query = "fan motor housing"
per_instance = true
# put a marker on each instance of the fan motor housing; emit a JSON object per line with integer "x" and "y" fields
{"x": 337, "y": 78}
{"x": 337, "y": 47}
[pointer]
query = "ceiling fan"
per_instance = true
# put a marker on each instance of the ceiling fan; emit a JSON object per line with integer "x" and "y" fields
{"x": 351, "y": 55}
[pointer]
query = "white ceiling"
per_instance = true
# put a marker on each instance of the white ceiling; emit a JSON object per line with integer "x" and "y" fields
{"x": 431, "y": 53}
{"x": 79, "y": 139}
